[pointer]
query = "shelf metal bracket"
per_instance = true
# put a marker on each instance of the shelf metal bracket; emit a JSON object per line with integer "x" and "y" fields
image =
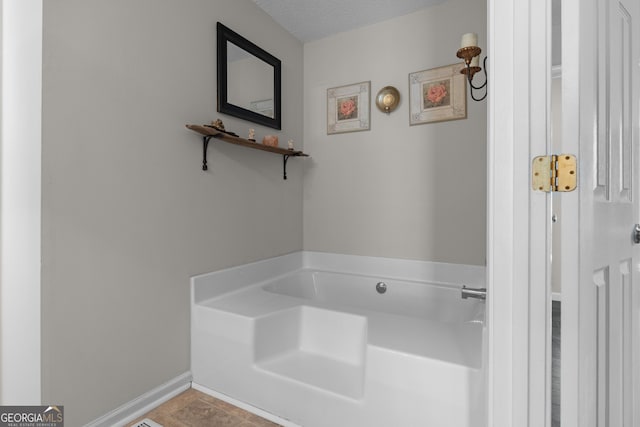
{"x": 285, "y": 157}
{"x": 205, "y": 145}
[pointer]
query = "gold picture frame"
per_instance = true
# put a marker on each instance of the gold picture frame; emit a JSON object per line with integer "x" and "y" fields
{"x": 437, "y": 95}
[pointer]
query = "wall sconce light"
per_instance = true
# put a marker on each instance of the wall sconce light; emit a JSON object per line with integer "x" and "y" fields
{"x": 470, "y": 52}
{"x": 388, "y": 99}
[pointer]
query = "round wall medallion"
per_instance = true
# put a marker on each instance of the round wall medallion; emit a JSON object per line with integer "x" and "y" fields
{"x": 388, "y": 99}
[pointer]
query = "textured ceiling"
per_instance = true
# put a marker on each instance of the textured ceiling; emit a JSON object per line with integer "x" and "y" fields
{"x": 314, "y": 19}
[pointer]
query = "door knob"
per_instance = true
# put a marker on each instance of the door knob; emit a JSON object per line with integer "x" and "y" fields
{"x": 636, "y": 234}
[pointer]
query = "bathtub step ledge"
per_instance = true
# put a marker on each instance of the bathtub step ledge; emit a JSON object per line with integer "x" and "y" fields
{"x": 318, "y": 371}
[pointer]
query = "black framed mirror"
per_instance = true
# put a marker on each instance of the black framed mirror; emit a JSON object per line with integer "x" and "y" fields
{"x": 249, "y": 80}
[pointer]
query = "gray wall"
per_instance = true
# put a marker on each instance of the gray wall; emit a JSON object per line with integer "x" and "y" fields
{"x": 128, "y": 215}
{"x": 400, "y": 191}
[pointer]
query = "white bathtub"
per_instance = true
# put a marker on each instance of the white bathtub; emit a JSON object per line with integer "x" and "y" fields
{"x": 306, "y": 337}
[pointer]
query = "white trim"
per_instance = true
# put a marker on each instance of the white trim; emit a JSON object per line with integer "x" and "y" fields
{"x": 556, "y": 296}
{"x": 257, "y": 411}
{"x": 538, "y": 265}
{"x": 517, "y": 273}
{"x": 20, "y": 203}
{"x": 144, "y": 403}
{"x": 579, "y": 110}
{"x": 500, "y": 215}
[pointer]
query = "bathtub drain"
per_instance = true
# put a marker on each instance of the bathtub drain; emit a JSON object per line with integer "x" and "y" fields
{"x": 381, "y": 287}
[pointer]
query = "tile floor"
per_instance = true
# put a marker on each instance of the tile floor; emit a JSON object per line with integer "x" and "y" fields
{"x": 193, "y": 408}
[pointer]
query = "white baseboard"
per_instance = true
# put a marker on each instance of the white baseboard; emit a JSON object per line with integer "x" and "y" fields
{"x": 145, "y": 403}
{"x": 257, "y": 411}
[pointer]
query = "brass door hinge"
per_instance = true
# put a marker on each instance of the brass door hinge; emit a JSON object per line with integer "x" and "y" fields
{"x": 554, "y": 173}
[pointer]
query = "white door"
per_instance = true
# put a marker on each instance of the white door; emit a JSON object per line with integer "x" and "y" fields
{"x": 601, "y": 270}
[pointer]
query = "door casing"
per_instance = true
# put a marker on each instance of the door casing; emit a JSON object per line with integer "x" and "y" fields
{"x": 518, "y": 268}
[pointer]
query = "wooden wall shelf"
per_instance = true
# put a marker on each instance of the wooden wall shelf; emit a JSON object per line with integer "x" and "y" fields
{"x": 208, "y": 132}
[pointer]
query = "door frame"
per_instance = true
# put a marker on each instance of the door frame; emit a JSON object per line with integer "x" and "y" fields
{"x": 574, "y": 11}
{"x": 518, "y": 219}
{"x": 20, "y": 201}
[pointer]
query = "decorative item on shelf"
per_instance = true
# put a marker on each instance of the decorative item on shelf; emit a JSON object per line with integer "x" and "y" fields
{"x": 218, "y": 125}
{"x": 348, "y": 108}
{"x": 252, "y": 135}
{"x": 290, "y": 144}
{"x": 437, "y": 95}
{"x": 270, "y": 140}
{"x": 470, "y": 52}
{"x": 388, "y": 99}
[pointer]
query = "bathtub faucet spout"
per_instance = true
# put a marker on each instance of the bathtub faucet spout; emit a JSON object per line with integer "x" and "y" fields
{"x": 479, "y": 293}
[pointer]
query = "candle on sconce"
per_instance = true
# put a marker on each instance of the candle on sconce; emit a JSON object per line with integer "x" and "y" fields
{"x": 469, "y": 39}
{"x": 470, "y": 52}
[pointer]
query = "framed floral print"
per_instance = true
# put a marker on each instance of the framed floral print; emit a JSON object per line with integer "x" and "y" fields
{"x": 348, "y": 108}
{"x": 437, "y": 95}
